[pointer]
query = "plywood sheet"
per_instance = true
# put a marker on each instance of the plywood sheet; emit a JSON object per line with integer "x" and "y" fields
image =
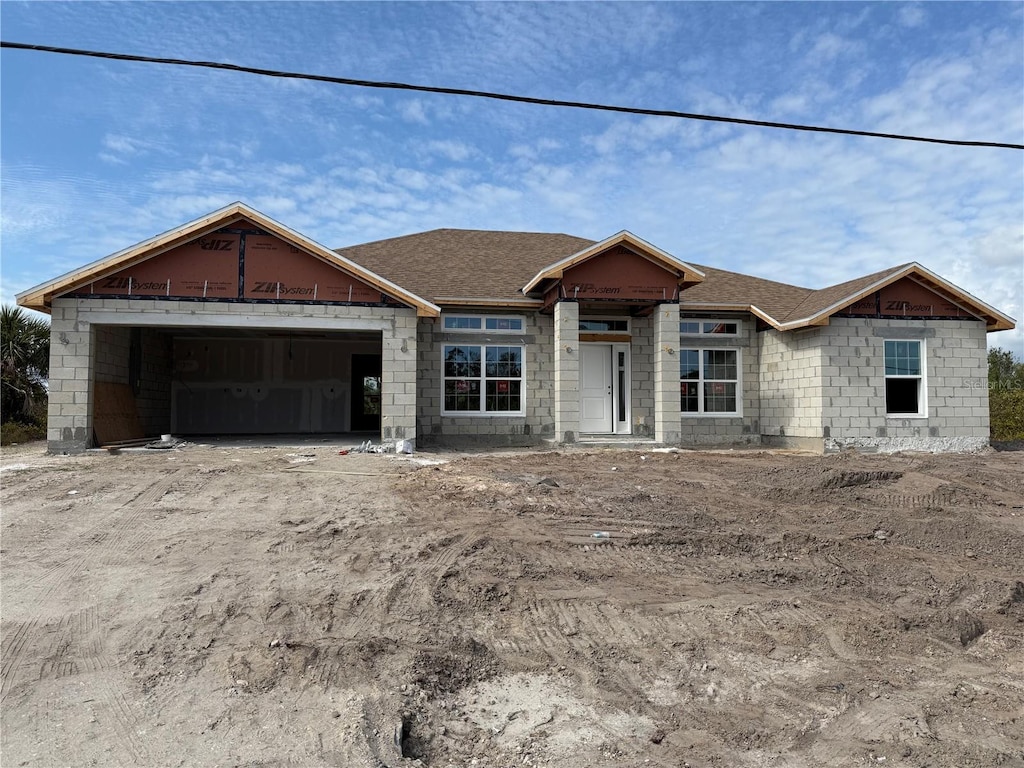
{"x": 115, "y": 415}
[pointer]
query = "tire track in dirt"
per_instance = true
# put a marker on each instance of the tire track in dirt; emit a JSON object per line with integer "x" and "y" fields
{"x": 117, "y": 536}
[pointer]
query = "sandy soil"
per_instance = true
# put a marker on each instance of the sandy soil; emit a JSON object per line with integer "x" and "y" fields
{"x": 273, "y": 607}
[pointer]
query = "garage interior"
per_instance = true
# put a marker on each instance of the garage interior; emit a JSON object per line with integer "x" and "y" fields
{"x": 235, "y": 381}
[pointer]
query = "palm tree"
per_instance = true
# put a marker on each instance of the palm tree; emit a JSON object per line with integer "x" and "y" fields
{"x": 24, "y": 364}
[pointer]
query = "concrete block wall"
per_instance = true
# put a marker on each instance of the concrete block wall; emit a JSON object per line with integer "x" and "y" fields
{"x": 74, "y": 346}
{"x": 853, "y": 378}
{"x": 398, "y": 378}
{"x": 69, "y": 414}
{"x": 538, "y": 421}
{"x": 154, "y": 396}
{"x": 791, "y": 387}
{"x": 566, "y": 357}
{"x": 665, "y": 332}
{"x": 729, "y": 430}
{"x": 112, "y": 350}
{"x": 641, "y": 355}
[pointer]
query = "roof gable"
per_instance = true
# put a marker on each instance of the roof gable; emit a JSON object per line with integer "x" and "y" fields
{"x": 203, "y": 259}
{"x": 557, "y": 270}
{"x": 948, "y": 300}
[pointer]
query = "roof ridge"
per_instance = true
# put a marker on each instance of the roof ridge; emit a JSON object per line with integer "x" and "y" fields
{"x": 440, "y": 230}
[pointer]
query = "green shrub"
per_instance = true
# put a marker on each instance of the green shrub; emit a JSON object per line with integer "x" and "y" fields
{"x": 16, "y": 432}
{"x": 1006, "y": 409}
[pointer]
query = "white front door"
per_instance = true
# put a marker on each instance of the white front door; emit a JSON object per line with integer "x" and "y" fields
{"x": 596, "y": 385}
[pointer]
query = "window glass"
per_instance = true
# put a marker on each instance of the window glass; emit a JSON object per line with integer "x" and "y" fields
{"x": 604, "y": 325}
{"x": 709, "y": 381}
{"x": 904, "y": 381}
{"x": 689, "y": 364}
{"x": 455, "y": 323}
{"x": 708, "y": 328}
{"x": 462, "y": 361}
{"x": 473, "y": 323}
{"x": 483, "y": 379}
{"x": 902, "y": 358}
{"x": 720, "y": 364}
{"x": 504, "y": 323}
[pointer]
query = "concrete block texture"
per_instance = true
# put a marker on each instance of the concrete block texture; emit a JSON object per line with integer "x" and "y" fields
{"x": 476, "y": 430}
{"x": 91, "y": 341}
{"x": 665, "y": 327}
{"x": 954, "y": 386}
{"x": 567, "y": 370}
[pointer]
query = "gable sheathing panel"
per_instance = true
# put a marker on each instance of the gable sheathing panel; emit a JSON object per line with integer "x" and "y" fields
{"x": 620, "y": 274}
{"x": 232, "y": 264}
{"x": 906, "y": 298}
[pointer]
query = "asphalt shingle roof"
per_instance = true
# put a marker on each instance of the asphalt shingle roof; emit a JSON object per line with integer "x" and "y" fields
{"x": 481, "y": 264}
{"x": 464, "y": 263}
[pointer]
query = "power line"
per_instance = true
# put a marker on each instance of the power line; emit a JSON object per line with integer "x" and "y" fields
{"x": 503, "y": 96}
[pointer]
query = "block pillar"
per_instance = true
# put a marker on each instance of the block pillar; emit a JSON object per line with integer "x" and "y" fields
{"x": 398, "y": 379}
{"x": 567, "y": 371}
{"x": 667, "y": 426}
{"x": 72, "y": 358}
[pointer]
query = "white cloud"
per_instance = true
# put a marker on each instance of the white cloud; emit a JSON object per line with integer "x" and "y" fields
{"x": 911, "y": 16}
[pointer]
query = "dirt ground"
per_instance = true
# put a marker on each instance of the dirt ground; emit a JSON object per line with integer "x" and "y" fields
{"x": 297, "y": 607}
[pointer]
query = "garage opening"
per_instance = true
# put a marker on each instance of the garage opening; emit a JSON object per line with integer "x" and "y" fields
{"x": 237, "y": 381}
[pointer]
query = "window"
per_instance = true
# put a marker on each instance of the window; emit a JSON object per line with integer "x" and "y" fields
{"x": 483, "y": 379}
{"x": 904, "y": 378}
{"x": 613, "y": 326}
{"x": 480, "y": 323}
{"x": 709, "y": 381}
{"x": 709, "y": 327}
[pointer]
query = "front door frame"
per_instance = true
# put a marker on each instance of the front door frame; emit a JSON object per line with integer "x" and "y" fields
{"x": 621, "y": 396}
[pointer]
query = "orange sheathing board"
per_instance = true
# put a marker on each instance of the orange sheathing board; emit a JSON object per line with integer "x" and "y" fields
{"x": 212, "y": 260}
{"x": 619, "y": 274}
{"x": 269, "y": 261}
{"x": 906, "y": 297}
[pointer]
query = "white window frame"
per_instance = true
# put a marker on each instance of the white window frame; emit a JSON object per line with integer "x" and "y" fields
{"x": 921, "y": 377}
{"x": 483, "y": 378}
{"x": 701, "y": 380}
{"x": 483, "y": 323}
{"x": 701, "y": 332}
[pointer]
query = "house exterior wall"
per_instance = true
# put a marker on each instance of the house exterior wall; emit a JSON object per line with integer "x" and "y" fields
{"x": 729, "y": 430}
{"x": 791, "y": 388}
{"x": 853, "y": 385}
{"x": 641, "y": 355}
{"x": 537, "y": 422}
{"x": 80, "y": 329}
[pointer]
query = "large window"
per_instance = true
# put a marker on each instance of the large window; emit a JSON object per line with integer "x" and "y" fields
{"x": 709, "y": 381}
{"x": 904, "y": 378}
{"x": 483, "y": 379}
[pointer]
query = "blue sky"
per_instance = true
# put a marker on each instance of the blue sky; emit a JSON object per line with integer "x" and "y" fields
{"x": 97, "y": 155}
